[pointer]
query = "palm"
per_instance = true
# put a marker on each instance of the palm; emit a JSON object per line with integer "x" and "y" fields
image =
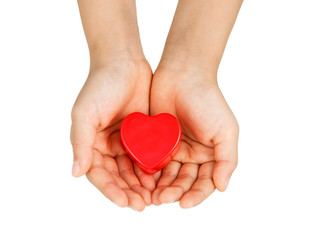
{"x": 106, "y": 98}
{"x": 201, "y": 123}
{"x": 206, "y": 121}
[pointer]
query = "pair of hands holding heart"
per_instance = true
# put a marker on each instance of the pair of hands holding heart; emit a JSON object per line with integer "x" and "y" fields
{"x": 208, "y": 152}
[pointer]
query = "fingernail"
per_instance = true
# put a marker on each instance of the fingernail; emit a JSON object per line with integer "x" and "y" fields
{"x": 226, "y": 184}
{"x": 75, "y": 168}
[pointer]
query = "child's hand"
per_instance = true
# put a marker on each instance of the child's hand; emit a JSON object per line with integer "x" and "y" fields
{"x": 109, "y": 94}
{"x": 208, "y": 154}
{"x": 185, "y": 85}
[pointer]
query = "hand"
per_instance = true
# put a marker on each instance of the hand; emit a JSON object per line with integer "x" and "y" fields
{"x": 109, "y": 94}
{"x": 208, "y": 153}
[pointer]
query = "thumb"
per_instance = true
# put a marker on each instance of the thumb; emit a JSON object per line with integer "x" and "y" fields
{"x": 83, "y": 134}
{"x": 226, "y": 156}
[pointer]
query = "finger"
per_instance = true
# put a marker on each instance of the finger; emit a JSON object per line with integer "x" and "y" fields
{"x": 157, "y": 176}
{"x": 226, "y": 157}
{"x": 168, "y": 175}
{"x": 111, "y": 166}
{"x": 83, "y": 134}
{"x": 126, "y": 171}
{"x": 103, "y": 180}
{"x": 146, "y": 180}
{"x": 202, "y": 187}
{"x": 186, "y": 178}
{"x": 135, "y": 201}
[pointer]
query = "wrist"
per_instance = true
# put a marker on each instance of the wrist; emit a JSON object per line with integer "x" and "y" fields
{"x": 184, "y": 55}
{"x": 123, "y": 64}
{"x": 100, "y": 58}
{"x": 182, "y": 74}
{"x": 199, "y": 33}
{"x": 111, "y": 30}
{"x": 183, "y": 65}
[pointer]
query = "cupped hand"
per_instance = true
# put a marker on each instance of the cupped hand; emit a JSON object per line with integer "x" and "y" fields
{"x": 208, "y": 153}
{"x": 109, "y": 94}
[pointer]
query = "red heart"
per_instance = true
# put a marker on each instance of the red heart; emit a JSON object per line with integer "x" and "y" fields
{"x": 151, "y": 141}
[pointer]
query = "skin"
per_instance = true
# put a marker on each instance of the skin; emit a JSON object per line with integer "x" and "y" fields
{"x": 208, "y": 153}
{"x": 107, "y": 97}
{"x": 117, "y": 85}
{"x": 121, "y": 82}
{"x": 185, "y": 85}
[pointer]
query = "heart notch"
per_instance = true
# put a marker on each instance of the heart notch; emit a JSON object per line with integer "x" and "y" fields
{"x": 151, "y": 141}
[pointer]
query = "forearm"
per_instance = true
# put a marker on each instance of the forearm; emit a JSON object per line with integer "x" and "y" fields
{"x": 199, "y": 33}
{"x": 111, "y": 29}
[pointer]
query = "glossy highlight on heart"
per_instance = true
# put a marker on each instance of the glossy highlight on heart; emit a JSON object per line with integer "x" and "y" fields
{"x": 151, "y": 141}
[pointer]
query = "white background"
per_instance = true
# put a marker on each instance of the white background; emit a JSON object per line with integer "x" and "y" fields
{"x": 266, "y": 75}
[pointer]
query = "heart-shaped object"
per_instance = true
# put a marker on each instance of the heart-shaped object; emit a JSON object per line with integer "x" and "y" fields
{"x": 151, "y": 141}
